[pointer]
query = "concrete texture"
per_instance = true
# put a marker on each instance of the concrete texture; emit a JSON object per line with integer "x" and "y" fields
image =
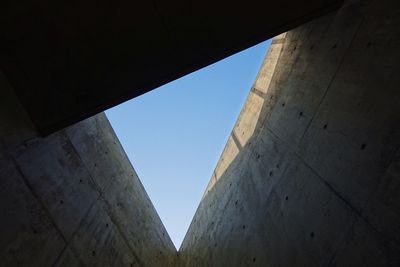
{"x": 72, "y": 198}
{"x": 69, "y": 60}
{"x": 310, "y": 174}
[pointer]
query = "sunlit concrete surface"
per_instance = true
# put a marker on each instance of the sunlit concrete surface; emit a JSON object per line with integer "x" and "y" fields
{"x": 310, "y": 175}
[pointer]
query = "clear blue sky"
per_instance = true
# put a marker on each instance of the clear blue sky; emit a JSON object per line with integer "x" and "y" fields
{"x": 175, "y": 134}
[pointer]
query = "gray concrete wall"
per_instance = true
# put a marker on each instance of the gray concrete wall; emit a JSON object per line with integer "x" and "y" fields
{"x": 72, "y": 198}
{"x": 310, "y": 175}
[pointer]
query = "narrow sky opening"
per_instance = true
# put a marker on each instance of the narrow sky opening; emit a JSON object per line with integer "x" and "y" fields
{"x": 175, "y": 134}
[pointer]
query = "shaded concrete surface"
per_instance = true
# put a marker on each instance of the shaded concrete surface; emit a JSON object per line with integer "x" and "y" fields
{"x": 69, "y": 60}
{"x": 311, "y": 173}
{"x": 72, "y": 198}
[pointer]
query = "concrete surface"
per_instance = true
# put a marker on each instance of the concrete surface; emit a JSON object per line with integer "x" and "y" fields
{"x": 69, "y": 60}
{"x": 311, "y": 173}
{"x": 72, "y": 198}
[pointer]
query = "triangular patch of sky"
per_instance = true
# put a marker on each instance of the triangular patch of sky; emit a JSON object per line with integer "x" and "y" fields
{"x": 175, "y": 134}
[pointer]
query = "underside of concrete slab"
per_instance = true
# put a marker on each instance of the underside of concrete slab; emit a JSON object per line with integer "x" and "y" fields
{"x": 310, "y": 175}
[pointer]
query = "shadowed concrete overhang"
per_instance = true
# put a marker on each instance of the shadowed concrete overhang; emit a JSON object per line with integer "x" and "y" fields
{"x": 70, "y": 59}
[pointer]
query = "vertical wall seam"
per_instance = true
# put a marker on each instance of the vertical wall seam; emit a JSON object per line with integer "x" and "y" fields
{"x": 41, "y": 203}
{"x": 334, "y": 191}
{"x": 101, "y": 196}
{"x": 332, "y": 79}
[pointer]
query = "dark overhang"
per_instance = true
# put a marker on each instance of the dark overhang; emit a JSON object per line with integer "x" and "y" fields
{"x": 70, "y": 59}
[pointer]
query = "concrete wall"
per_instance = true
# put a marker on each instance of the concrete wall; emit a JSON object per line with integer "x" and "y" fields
{"x": 72, "y": 198}
{"x": 311, "y": 173}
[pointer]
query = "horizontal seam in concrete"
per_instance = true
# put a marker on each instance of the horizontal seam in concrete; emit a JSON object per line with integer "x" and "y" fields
{"x": 41, "y": 203}
{"x": 236, "y": 140}
{"x": 347, "y": 202}
{"x": 74, "y": 233}
{"x": 88, "y": 210}
{"x": 259, "y": 93}
{"x": 334, "y": 191}
{"x": 121, "y": 233}
{"x": 332, "y": 80}
{"x": 278, "y": 41}
{"x": 102, "y": 198}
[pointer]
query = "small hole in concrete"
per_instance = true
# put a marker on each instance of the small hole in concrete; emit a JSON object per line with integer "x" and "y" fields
{"x": 363, "y": 146}
{"x": 93, "y": 253}
{"x": 283, "y": 104}
{"x": 80, "y": 181}
{"x": 301, "y": 114}
{"x": 106, "y": 224}
{"x": 334, "y": 46}
{"x": 236, "y": 202}
{"x": 312, "y": 234}
{"x": 160, "y": 252}
{"x": 61, "y": 201}
{"x": 325, "y": 126}
{"x": 311, "y": 47}
{"x": 286, "y": 198}
{"x": 369, "y": 44}
{"x": 244, "y": 226}
{"x": 254, "y": 259}
{"x": 277, "y": 166}
{"x": 258, "y": 156}
{"x": 230, "y": 184}
{"x": 270, "y": 173}
{"x": 34, "y": 231}
{"x": 163, "y": 234}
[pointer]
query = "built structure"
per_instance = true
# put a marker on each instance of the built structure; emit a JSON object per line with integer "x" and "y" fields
{"x": 310, "y": 175}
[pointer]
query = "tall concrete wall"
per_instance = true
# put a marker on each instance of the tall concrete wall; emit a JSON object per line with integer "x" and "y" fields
{"x": 72, "y": 198}
{"x": 310, "y": 175}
